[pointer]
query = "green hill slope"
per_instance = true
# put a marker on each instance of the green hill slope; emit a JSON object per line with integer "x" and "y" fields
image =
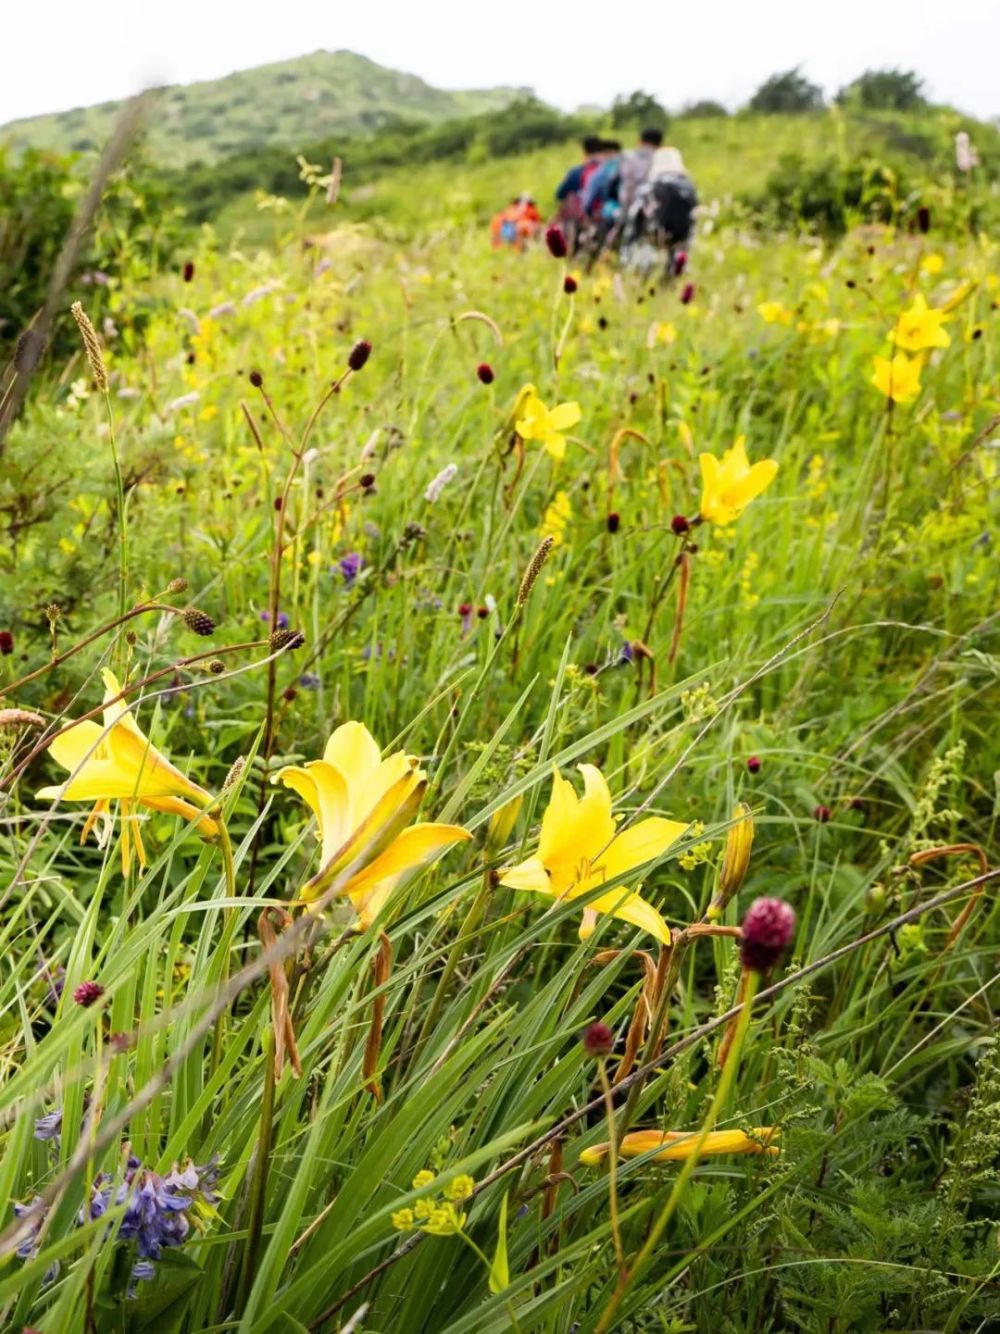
{"x": 291, "y": 102}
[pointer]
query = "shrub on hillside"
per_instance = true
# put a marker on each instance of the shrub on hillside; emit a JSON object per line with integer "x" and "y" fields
{"x": 786, "y": 93}
{"x": 827, "y": 196}
{"x": 885, "y": 90}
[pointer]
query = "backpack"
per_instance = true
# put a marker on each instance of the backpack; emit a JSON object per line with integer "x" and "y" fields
{"x": 674, "y": 200}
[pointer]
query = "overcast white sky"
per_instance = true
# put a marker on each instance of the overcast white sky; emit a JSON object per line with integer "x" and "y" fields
{"x": 56, "y": 54}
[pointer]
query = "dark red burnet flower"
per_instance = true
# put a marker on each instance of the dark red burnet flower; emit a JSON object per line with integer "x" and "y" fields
{"x": 687, "y": 293}
{"x": 679, "y": 525}
{"x": 6, "y": 643}
{"x": 188, "y": 271}
{"x": 753, "y": 764}
{"x": 570, "y": 284}
{"x": 484, "y": 373}
{"x": 768, "y": 928}
{"x": 360, "y": 353}
{"x": 822, "y": 813}
{"x": 680, "y": 262}
{"x": 614, "y": 522}
{"x": 598, "y": 1039}
{"x": 924, "y": 219}
{"x": 256, "y": 379}
{"x": 88, "y": 993}
{"x": 556, "y": 242}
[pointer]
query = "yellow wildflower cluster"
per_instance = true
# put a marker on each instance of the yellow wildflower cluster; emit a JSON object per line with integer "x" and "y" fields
{"x": 439, "y": 1216}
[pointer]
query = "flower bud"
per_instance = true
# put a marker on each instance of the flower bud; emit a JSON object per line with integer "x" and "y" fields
{"x": 360, "y": 353}
{"x": 88, "y": 993}
{"x": 256, "y": 379}
{"x": 753, "y": 764}
{"x": 924, "y": 219}
{"x": 570, "y": 284}
{"x": 198, "y": 621}
{"x": 598, "y": 1040}
{"x": 614, "y": 522}
{"x": 768, "y": 928}
{"x": 187, "y": 273}
{"x": 556, "y": 242}
{"x": 484, "y": 373}
{"x": 177, "y": 586}
{"x": 735, "y": 859}
{"x": 679, "y": 525}
{"x": 687, "y": 294}
{"x": 680, "y": 262}
{"x": 822, "y": 813}
{"x": 6, "y": 643}
{"x": 502, "y": 823}
{"x": 289, "y": 639}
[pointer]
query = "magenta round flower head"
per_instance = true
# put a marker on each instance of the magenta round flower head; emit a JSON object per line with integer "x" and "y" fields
{"x": 556, "y": 242}
{"x": 680, "y": 262}
{"x": 598, "y": 1040}
{"x": 88, "y": 993}
{"x": 768, "y": 928}
{"x": 687, "y": 294}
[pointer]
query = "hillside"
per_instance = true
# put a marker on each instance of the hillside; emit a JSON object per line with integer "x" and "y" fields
{"x": 287, "y": 103}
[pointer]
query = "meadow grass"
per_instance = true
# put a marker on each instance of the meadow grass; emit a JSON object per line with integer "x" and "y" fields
{"x": 833, "y": 666}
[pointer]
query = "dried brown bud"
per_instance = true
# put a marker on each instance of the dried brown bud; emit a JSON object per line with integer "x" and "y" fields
{"x": 215, "y": 666}
{"x": 20, "y": 718}
{"x": 286, "y": 639}
{"x": 197, "y": 620}
{"x": 53, "y": 611}
{"x": 178, "y": 585}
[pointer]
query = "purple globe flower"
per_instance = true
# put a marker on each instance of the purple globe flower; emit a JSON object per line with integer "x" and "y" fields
{"x": 282, "y": 620}
{"x": 350, "y": 566}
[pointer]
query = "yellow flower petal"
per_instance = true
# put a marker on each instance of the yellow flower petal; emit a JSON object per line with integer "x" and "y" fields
{"x": 565, "y": 415}
{"x": 354, "y": 751}
{"x": 530, "y": 875}
{"x": 639, "y": 844}
{"x": 370, "y": 889}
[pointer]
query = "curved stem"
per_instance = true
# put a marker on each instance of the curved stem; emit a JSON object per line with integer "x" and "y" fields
{"x": 691, "y": 1162}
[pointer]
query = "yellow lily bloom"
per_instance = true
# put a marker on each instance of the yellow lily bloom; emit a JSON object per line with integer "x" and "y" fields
{"x": 115, "y": 761}
{"x": 537, "y": 422}
{"x": 363, "y": 805}
{"x": 579, "y": 849}
{"x": 898, "y": 379}
{"x": 920, "y": 327}
{"x": 729, "y": 485}
{"x": 773, "y": 312}
{"x": 676, "y": 1145}
{"x": 557, "y": 517}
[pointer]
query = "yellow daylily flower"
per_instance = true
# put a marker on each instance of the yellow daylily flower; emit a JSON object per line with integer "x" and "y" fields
{"x": 729, "y": 485}
{"x": 537, "y": 422}
{"x": 920, "y": 327}
{"x": 898, "y": 379}
{"x": 773, "y": 312}
{"x": 557, "y": 517}
{"x": 676, "y": 1145}
{"x": 363, "y": 805}
{"x": 932, "y": 263}
{"x": 579, "y": 849}
{"x": 115, "y": 761}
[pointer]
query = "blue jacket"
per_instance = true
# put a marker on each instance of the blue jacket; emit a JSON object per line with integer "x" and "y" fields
{"x": 571, "y": 182}
{"x": 602, "y": 186}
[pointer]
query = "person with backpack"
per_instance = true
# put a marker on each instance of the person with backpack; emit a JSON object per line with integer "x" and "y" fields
{"x": 661, "y": 216}
{"x": 569, "y": 192}
{"x": 515, "y": 225}
{"x": 636, "y": 165}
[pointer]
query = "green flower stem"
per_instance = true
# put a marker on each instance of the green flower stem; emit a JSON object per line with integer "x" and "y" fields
{"x": 258, "y": 1186}
{"x": 716, "y": 1107}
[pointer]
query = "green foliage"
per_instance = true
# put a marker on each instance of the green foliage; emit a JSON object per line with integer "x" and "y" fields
{"x": 638, "y": 110}
{"x": 785, "y": 94}
{"x": 35, "y": 212}
{"x": 827, "y": 197}
{"x": 704, "y": 109}
{"x": 885, "y": 90}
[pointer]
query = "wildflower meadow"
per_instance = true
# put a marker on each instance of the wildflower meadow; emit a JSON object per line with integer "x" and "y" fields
{"x": 498, "y": 781}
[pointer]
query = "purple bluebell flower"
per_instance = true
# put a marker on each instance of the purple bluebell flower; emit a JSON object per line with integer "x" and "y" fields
{"x": 350, "y": 566}
{"x": 48, "y": 1127}
{"x": 309, "y": 681}
{"x": 154, "y": 1214}
{"x": 626, "y": 654}
{"x": 282, "y": 621}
